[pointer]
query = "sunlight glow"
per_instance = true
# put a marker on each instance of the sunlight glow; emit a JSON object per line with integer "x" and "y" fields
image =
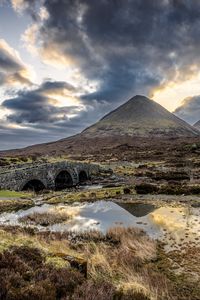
{"x": 172, "y": 95}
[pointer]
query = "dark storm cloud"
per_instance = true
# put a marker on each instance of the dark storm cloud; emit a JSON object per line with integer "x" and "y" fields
{"x": 39, "y": 117}
{"x": 35, "y": 106}
{"x": 189, "y": 110}
{"x": 128, "y": 46}
{"x": 40, "y": 132}
{"x": 56, "y": 86}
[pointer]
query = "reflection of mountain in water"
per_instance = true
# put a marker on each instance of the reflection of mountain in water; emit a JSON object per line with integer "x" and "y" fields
{"x": 138, "y": 209}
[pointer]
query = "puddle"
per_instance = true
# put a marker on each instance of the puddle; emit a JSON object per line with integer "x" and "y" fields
{"x": 100, "y": 215}
{"x": 177, "y": 227}
{"x": 180, "y": 226}
{"x": 138, "y": 209}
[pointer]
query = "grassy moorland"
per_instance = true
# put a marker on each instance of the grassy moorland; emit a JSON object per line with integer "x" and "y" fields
{"x": 122, "y": 264}
{"x": 118, "y": 266}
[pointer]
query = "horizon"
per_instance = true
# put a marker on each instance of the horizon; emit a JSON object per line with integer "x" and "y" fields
{"x": 107, "y": 114}
{"x": 62, "y": 68}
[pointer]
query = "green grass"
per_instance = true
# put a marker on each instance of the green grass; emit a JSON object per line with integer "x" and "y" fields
{"x": 83, "y": 196}
{"x": 13, "y": 194}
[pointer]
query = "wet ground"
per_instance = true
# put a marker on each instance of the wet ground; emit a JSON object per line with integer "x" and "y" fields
{"x": 177, "y": 227}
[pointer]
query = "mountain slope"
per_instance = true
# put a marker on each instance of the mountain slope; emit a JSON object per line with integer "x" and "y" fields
{"x": 143, "y": 117}
{"x": 135, "y": 123}
{"x": 197, "y": 125}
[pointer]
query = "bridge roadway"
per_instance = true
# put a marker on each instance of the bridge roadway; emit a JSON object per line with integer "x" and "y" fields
{"x": 53, "y": 176}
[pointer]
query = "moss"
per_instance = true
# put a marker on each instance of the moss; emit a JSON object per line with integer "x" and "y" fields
{"x": 126, "y": 170}
{"x": 84, "y": 196}
{"x": 57, "y": 262}
{"x": 13, "y": 194}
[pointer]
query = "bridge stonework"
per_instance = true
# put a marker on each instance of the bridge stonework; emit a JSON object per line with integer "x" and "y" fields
{"x": 46, "y": 173}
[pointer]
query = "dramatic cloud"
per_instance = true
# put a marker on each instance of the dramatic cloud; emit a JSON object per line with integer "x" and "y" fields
{"x": 14, "y": 136}
{"x": 189, "y": 110}
{"x": 108, "y": 51}
{"x": 26, "y": 5}
{"x": 12, "y": 70}
{"x": 34, "y": 117}
{"x": 37, "y": 106}
{"x": 128, "y": 47}
{"x": 39, "y": 110}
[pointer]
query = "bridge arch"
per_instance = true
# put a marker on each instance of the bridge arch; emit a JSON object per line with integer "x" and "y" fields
{"x": 63, "y": 180}
{"x": 82, "y": 176}
{"x": 35, "y": 185}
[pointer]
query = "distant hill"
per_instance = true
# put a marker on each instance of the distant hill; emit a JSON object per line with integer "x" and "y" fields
{"x": 197, "y": 125}
{"x": 138, "y": 121}
{"x": 143, "y": 117}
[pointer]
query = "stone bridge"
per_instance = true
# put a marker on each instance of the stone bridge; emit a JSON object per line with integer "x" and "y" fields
{"x": 54, "y": 176}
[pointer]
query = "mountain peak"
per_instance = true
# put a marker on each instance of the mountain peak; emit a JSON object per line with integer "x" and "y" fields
{"x": 132, "y": 107}
{"x": 140, "y": 116}
{"x": 139, "y": 98}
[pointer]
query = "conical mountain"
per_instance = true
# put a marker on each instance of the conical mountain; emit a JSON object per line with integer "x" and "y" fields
{"x": 140, "y": 116}
{"x": 197, "y": 125}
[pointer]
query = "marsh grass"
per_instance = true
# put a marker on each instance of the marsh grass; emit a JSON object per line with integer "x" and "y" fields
{"x": 122, "y": 261}
{"x": 121, "y": 257}
{"x": 122, "y": 264}
{"x": 46, "y": 218}
{"x": 8, "y": 205}
{"x": 83, "y": 196}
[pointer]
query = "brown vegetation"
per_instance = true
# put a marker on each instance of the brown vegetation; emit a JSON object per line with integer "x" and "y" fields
{"x": 173, "y": 188}
{"x": 146, "y": 188}
{"x": 117, "y": 267}
{"x": 45, "y": 219}
{"x": 24, "y": 275}
{"x": 134, "y": 148}
{"x": 123, "y": 264}
{"x": 178, "y": 175}
{"x": 13, "y": 205}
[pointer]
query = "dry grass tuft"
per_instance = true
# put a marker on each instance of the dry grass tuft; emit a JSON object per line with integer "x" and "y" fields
{"x": 45, "y": 219}
{"x": 121, "y": 257}
{"x": 8, "y": 205}
{"x": 120, "y": 263}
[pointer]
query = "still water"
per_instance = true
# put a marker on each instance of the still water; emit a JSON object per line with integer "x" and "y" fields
{"x": 176, "y": 226}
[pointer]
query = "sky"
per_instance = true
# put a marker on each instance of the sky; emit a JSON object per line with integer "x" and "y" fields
{"x": 66, "y": 63}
